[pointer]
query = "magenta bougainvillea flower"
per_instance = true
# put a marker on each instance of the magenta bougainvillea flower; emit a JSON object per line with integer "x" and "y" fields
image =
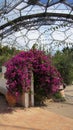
{"x": 19, "y": 68}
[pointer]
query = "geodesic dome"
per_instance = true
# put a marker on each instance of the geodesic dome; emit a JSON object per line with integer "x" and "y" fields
{"x": 48, "y": 23}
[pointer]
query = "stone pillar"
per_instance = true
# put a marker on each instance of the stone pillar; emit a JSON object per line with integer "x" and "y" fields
{"x": 32, "y": 89}
{"x": 25, "y": 100}
{"x": 28, "y": 98}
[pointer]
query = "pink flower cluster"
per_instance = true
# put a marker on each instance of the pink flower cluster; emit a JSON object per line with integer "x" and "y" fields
{"x": 19, "y": 70}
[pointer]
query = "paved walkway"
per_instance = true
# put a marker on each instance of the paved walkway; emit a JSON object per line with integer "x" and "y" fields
{"x": 34, "y": 119}
{"x": 69, "y": 94}
{"x": 37, "y": 118}
{"x": 63, "y": 108}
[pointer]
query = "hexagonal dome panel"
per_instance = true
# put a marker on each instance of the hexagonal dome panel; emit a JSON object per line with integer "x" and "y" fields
{"x": 45, "y": 21}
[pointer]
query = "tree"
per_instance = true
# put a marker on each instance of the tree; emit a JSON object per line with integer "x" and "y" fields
{"x": 63, "y": 60}
{"x": 6, "y": 53}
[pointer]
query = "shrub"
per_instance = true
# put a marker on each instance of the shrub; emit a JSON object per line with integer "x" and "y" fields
{"x": 58, "y": 97}
{"x": 46, "y": 77}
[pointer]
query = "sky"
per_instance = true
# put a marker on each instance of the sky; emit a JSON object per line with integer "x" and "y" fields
{"x": 2, "y": 0}
{"x": 46, "y": 0}
{"x": 53, "y": 1}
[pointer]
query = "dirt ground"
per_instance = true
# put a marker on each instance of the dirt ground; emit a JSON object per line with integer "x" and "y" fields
{"x": 63, "y": 108}
{"x": 53, "y": 116}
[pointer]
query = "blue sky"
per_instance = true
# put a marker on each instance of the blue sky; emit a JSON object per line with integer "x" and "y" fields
{"x": 45, "y": 1}
{"x": 2, "y": 0}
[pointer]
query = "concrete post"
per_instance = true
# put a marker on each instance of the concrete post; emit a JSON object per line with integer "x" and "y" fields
{"x": 25, "y": 100}
{"x": 32, "y": 89}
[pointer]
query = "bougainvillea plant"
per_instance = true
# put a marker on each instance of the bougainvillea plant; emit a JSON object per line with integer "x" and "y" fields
{"x": 19, "y": 68}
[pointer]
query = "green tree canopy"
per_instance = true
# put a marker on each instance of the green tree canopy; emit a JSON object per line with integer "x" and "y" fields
{"x": 63, "y": 60}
